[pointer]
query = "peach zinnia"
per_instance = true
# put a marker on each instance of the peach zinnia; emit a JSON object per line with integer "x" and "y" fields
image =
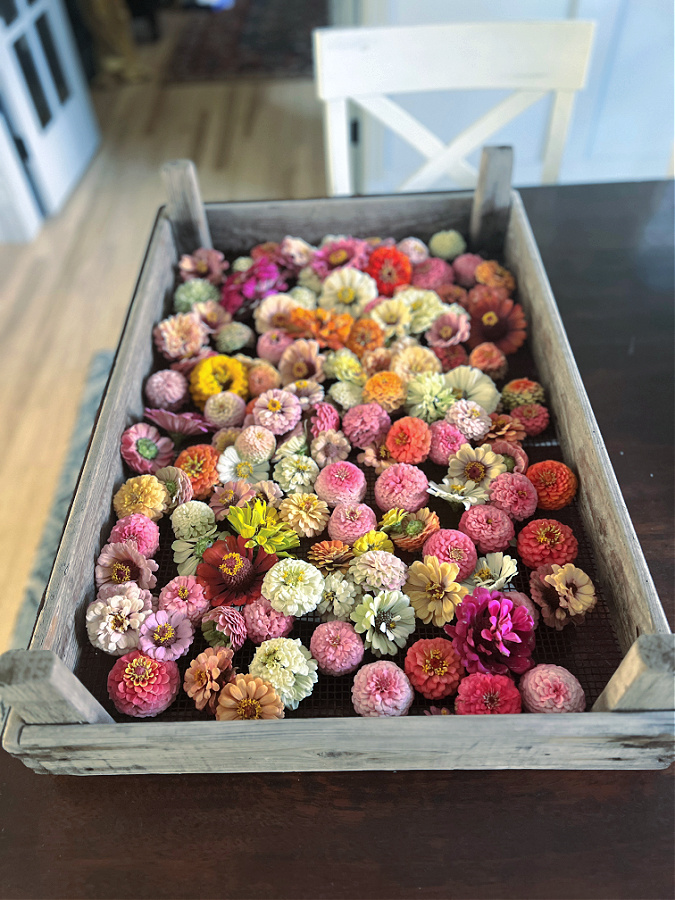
{"x": 409, "y": 440}
{"x": 547, "y": 542}
{"x": 199, "y": 464}
{"x": 248, "y": 697}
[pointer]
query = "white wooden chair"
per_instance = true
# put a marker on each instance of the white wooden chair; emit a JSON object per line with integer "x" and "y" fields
{"x": 363, "y": 65}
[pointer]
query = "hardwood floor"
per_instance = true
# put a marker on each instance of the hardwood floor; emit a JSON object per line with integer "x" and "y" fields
{"x": 65, "y": 294}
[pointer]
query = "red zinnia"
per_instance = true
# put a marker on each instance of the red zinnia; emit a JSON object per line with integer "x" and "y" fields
{"x": 433, "y": 667}
{"x": 555, "y": 482}
{"x": 232, "y": 573}
{"x": 501, "y": 322}
{"x": 390, "y": 268}
{"x": 544, "y": 542}
{"x": 487, "y": 695}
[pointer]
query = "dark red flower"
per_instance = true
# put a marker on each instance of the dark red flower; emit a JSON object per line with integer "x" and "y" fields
{"x": 502, "y": 322}
{"x": 232, "y": 573}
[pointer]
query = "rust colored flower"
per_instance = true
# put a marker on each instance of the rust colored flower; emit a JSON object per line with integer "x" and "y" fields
{"x": 385, "y": 388}
{"x": 199, "y": 464}
{"x": 415, "y": 529}
{"x": 489, "y": 359}
{"x": 451, "y": 357}
{"x": 546, "y": 542}
{"x": 500, "y": 322}
{"x": 327, "y": 328}
{"x": 533, "y": 416}
{"x": 390, "y": 268}
{"x": 481, "y": 292}
{"x": 232, "y": 573}
{"x": 330, "y": 556}
{"x": 504, "y": 428}
{"x": 365, "y": 335}
{"x": 452, "y": 293}
{"x": 409, "y": 440}
{"x": 248, "y": 697}
{"x": 556, "y": 483}
{"x": 494, "y": 275}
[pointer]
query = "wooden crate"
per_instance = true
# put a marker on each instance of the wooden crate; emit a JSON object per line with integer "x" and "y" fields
{"x": 56, "y": 725}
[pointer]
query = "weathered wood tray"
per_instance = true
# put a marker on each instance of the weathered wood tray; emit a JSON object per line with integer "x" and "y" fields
{"x": 57, "y": 725}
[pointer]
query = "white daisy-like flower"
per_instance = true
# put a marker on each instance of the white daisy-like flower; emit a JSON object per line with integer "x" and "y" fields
{"x": 114, "y": 623}
{"x": 393, "y": 317}
{"x": 273, "y": 312}
{"x": 295, "y": 446}
{"x": 386, "y": 620}
{"x": 289, "y": 668}
{"x": 470, "y": 418}
{"x": 494, "y": 571}
{"x": 296, "y": 474}
{"x": 303, "y": 296}
{"x": 348, "y": 290}
{"x": 293, "y": 587}
{"x": 424, "y": 307}
{"x": 478, "y": 464}
{"x": 339, "y": 599}
{"x": 231, "y": 467}
{"x": 307, "y": 278}
{"x": 345, "y": 394}
{"x": 472, "y": 384}
{"x": 468, "y": 494}
{"x": 192, "y": 519}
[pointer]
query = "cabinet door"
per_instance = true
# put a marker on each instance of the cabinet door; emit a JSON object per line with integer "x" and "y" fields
{"x": 45, "y": 97}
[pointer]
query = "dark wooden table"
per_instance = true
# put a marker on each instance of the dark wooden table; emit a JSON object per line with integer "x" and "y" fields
{"x": 608, "y": 250}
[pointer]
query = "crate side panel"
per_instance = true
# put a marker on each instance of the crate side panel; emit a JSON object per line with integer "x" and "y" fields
{"x": 621, "y": 563}
{"x": 60, "y": 626}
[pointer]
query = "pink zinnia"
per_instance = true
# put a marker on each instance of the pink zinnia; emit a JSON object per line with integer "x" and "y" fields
{"x": 279, "y": 411}
{"x": 446, "y": 439}
{"x": 141, "y": 686}
{"x": 488, "y": 527}
{"x": 533, "y": 417}
{"x": 141, "y": 531}
{"x": 340, "y": 482}
{"x": 166, "y": 636}
{"x": 432, "y": 273}
{"x": 337, "y": 648}
{"x": 344, "y": 253}
{"x": 491, "y": 635}
{"x": 448, "y": 545}
{"x": 366, "y": 424}
{"x": 203, "y": 263}
{"x": 323, "y": 417}
{"x": 167, "y": 389}
{"x": 263, "y": 622}
{"x": 514, "y": 494}
{"x": 552, "y": 689}
{"x": 232, "y": 493}
{"x": 272, "y": 344}
{"x": 448, "y": 330}
{"x": 471, "y": 419}
{"x": 382, "y": 689}
{"x": 402, "y": 486}
{"x": 183, "y": 594}
{"x": 178, "y": 424}
{"x": 433, "y": 667}
{"x": 483, "y": 694}
{"x": 249, "y": 287}
{"x": 224, "y": 626}
{"x": 122, "y": 562}
{"x": 515, "y": 457}
{"x": 350, "y": 521}
{"x": 520, "y": 599}
{"x": 464, "y": 267}
{"x": 144, "y": 449}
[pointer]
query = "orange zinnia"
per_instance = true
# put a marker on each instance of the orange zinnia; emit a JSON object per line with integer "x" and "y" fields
{"x": 409, "y": 440}
{"x": 199, "y": 464}
{"x": 329, "y": 329}
{"x": 365, "y": 335}
{"x": 556, "y": 483}
{"x": 390, "y": 268}
{"x": 385, "y": 388}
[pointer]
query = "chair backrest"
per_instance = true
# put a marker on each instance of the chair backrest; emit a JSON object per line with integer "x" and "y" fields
{"x": 364, "y": 65}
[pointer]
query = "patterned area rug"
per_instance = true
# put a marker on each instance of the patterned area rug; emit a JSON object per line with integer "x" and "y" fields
{"x": 254, "y": 39}
{"x": 51, "y": 535}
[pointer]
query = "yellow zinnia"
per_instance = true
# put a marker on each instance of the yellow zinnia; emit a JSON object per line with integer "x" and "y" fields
{"x": 433, "y": 590}
{"x": 216, "y": 374}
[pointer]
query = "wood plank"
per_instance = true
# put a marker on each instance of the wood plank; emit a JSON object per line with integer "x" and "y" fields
{"x": 184, "y": 207}
{"x": 491, "y": 202}
{"x": 645, "y": 679}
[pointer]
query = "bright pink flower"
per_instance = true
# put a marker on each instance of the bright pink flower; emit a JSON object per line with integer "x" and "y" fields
{"x": 515, "y": 494}
{"x": 515, "y": 457}
{"x": 432, "y": 273}
{"x": 350, "y": 521}
{"x": 345, "y": 253}
{"x": 366, "y": 424}
{"x": 488, "y": 527}
{"x": 144, "y": 449}
{"x": 323, "y": 417}
{"x": 141, "y": 531}
{"x": 142, "y": 687}
{"x": 340, "y": 482}
{"x": 178, "y": 424}
{"x": 446, "y": 439}
{"x": 483, "y": 694}
{"x": 263, "y": 622}
{"x": 248, "y": 288}
{"x": 464, "y": 267}
{"x": 166, "y": 636}
{"x": 183, "y": 594}
{"x": 448, "y": 545}
{"x": 403, "y": 486}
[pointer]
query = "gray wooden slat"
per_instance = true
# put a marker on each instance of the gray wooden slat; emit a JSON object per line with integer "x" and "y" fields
{"x": 185, "y": 207}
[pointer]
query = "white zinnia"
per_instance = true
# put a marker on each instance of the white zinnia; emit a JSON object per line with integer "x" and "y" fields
{"x": 494, "y": 571}
{"x": 470, "y": 418}
{"x": 468, "y": 494}
{"x": 296, "y": 474}
{"x": 192, "y": 519}
{"x": 293, "y": 587}
{"x": 304, "y": 296}
{"x": 272, "y": 312}
{"x": 393, "y": 317}
{"x": 113, "y": 625}
{"x": 340, "y": 597}
{"x": 348, "y": 290}
{"x": 387, "y": 620}
{"x": 345, "y": 394}
{"x": 289, "y": 668}
{"x": 472, "y": 384}
{"x": 231, "y": 467}
{"x": 424, "y": 307}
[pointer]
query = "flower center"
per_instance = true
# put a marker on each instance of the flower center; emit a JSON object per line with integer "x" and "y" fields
{"x": 243, "y": 470}
{"x": 402, "y": 438}
{"x": 434, "y": 664}
{"x": 456, "y": 553}
{"x": 300, "y": 369}
{"x": 274, "y": 405}
{"x": 171, "y": 487}
{"x": 138, "y": 671}
{"x": 146, "y": 448}
{"x": 484, "y": 574}
{"x": 490, "y": 318}
{"x": 346, "y": 295}
{"x": 193, "y": 466}
{"x": 550, "y": 534}
{"x": 249, "y": 708}
{"x": 446, "y": 332}
{"x": 436, "y": 592}
{"x": 183, "y": 593}
{"x": 491, "y": 700}
{"x": 120, "y": 573}
{"x": 164, "y": 634}
{"x": 385, "y": 621}
{"x": 475, "y": 471}
{"x": 119, "y": 622}
{"x": 388, "y": 273}
{"x": 201, "y": 678}
{"x": 547, "y": 477}
{"x": 329, "y": 596}
{"x": 279, "y": 320}
{"x": 353, "y": 515}
{"x": 413, "y": 527}
{"x": 231, "y": 564}
{"x": 337, "y": 257}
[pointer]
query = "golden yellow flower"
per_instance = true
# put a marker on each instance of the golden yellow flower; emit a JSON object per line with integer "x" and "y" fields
{"x": 373, "y": 540}
{"x": 143, "y": 494}
{"x": 305, "y": 514}
{"x": 433, "y": 590}
{"x": 216, "y": 374}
